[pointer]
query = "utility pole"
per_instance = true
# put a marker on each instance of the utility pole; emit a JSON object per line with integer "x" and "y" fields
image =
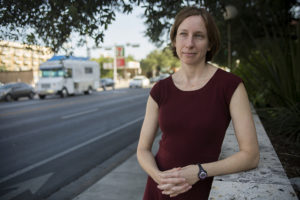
{"x": 118, "y": 55}
{"x": 230, "y": 13}
{"x": 88, "y": 50}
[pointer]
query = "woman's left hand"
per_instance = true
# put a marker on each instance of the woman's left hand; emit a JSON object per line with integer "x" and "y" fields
{"x": 189, "y": 173}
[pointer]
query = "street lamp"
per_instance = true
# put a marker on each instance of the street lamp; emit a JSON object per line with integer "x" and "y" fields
{"x": 230, "y": 13}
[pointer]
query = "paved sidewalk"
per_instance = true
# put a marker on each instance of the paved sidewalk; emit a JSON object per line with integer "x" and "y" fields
{"x": 267, "y": 182}
{"x": 126, "y": 182}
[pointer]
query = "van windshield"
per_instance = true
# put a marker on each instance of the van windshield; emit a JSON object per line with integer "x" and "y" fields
{"x": 52, "y": 72}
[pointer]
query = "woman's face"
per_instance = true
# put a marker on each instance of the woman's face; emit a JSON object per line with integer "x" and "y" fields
{"x": 191, "y": 41}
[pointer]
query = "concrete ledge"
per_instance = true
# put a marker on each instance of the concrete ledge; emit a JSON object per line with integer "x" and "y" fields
{"x": 267, "y": 181}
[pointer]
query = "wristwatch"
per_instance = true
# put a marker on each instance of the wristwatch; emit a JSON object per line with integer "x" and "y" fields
{"x": 202, "y": 173}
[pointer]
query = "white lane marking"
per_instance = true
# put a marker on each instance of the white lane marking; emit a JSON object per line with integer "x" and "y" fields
{"x": 22, "y": 171}
{"x": 79, "y": 113}
{"x": 33, "y": 185}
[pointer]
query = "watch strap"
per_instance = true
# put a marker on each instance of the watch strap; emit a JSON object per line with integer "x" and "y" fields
{"x": 201, "y": 172}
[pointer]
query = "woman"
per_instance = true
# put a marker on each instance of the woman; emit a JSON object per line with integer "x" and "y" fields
{"x": 193, "y": 108}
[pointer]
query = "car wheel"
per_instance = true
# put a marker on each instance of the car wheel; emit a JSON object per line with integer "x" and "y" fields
{"x": 42, "y": 96}
{"x": 64, "y": 93}
{"x": 89, "y": 91}
{"x": 31, "y": 95}
{"x": 8, "y": 98}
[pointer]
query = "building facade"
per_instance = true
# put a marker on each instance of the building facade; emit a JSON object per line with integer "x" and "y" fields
{"x": 18, "y": 57}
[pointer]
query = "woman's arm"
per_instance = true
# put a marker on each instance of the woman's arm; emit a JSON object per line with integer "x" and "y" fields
{"x": 248, "y": 155}
{"x": 145, "y": 156}
{"x": 147, "y": 136}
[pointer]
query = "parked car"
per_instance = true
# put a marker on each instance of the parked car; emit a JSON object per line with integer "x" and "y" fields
{"x": 139, "y": 81}
{"x": 163, "y": 76}
{"x": 107, "y": 82}
{"x": 158, "y": 78}
{"x": 154, "y": 79}
{"x": 13, "y": 91}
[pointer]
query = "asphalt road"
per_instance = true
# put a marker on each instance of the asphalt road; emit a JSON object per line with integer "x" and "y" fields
{"x": 47, "y": 144}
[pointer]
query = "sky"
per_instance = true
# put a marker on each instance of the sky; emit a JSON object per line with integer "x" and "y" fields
{"x": 125, "y": 29}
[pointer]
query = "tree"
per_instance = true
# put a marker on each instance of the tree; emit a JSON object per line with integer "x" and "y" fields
{"x": 105, "y": 72}
{"x": 108, "y": 73}
{"x": 159, "y": 61}
{"x": 53, "y": 21}
{"x": 130, "y": 58}
{"x": 2, "y": 68}
{"x": 257, "y": 15}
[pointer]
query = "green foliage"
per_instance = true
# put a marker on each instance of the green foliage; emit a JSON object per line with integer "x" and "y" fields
{"x": 272, "y": 76}
{"x": 130, "y": 58}
{"x": 282, "y": 121}
{"x": 159, "y": 61}
{"x": 53, "y": 21}
{"x": 104, "y": 73}
{"x": 108, "y": 73}
{"x": 159, "y": 17}
{"x": 2, "y": 68}
{"x": 258, "y": 15}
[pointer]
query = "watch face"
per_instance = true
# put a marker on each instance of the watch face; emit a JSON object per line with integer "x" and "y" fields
{"x": 202, "y": 175}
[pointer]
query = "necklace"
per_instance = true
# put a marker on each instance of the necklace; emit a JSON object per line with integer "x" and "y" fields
{"x": 188, "y": 84}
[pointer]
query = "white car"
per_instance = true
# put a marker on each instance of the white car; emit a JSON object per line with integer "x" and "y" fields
{"x": 158, "y": 78}
{"x": 163, "y": 76}
{"x": 139, "y": 81}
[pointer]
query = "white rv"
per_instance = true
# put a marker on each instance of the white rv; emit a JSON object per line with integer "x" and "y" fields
{"x": 68, "y": 76}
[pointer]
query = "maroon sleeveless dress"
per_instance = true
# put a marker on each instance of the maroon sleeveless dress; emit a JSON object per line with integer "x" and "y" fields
{"x": 193, "y": 125}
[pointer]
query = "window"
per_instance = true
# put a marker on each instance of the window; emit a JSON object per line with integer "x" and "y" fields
{"x": 88, "y": 70}
{"x": 52, "y": 73}
{"x": 69, "y": 73}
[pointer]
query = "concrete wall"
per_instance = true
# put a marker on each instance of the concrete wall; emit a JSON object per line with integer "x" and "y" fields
{"x": 17, "y": 76}
{"x": 267, "y": 182}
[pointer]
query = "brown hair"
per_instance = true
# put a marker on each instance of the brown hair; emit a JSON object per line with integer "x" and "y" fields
{"x": 212, "y": 30}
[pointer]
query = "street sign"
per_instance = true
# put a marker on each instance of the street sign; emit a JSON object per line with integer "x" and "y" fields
{"x": 121, "y": 62}
{"x": 120, "y": 51}
{"x": 120, "y": 56}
